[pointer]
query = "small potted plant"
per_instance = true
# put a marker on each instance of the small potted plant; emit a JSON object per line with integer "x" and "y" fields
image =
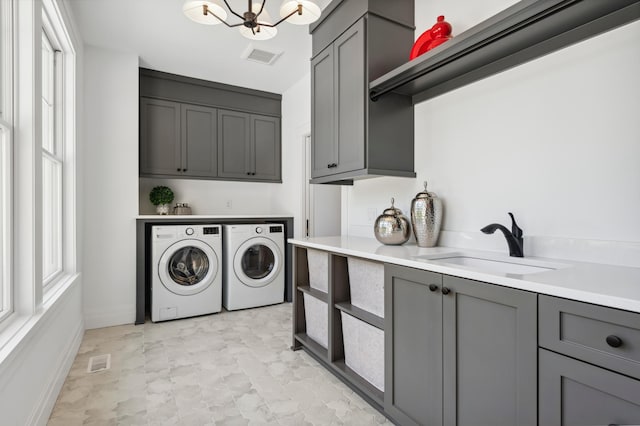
{"x": 161, "y": 197}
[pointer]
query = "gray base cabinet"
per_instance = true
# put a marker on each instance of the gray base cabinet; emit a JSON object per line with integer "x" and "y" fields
{"x": 458, "y": 351}
{"x": 589, "y": 364}
{"x": 574, "y": 393}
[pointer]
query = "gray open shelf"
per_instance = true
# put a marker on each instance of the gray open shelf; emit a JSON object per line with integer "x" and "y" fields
{"x": 523, "y": 32}
{"x": 318, "y": 294}
{"x": 364, "y": 386}
{"x": 361, "y": 314}
{"x": 311, "y": 345}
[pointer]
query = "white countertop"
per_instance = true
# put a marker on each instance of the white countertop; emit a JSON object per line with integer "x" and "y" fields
{"x": 210, "y": 216}
{"x": 607, "y": 285}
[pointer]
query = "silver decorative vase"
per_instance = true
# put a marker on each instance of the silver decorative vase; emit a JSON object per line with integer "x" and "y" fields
{"x": 426, "y": 218}
{"x": 392, "y": 227}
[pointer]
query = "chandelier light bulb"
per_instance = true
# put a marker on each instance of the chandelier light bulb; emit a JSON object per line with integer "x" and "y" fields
{"x": 310, "y": 11}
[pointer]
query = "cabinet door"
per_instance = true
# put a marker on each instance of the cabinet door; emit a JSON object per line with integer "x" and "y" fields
{"x": 576, "y": 393}
{"x": 489, "y": 354}
{"x": 234, "y": 140}
{"x": 199, "y": 135}
{"x": 323, "y": 139}
{"x": 265, "y": 155}
{"x": 351, "y": 95}
{"x": 160, "y": 137}
{"x": 413, "y": 346}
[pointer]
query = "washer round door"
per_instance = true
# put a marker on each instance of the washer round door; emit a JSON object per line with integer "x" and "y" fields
{"x": 188, "y": 267}
{"x": 257, "y": 262}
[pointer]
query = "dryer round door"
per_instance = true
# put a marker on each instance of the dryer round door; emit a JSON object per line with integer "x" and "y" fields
{"x": 257, "y": 262}
{"x": 188, "y": 267}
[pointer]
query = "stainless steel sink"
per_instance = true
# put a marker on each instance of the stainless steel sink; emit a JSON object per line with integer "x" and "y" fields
{"x": 507, "y": 266}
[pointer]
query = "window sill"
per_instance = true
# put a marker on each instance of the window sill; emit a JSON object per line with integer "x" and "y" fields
{"x": 20, "y": 329}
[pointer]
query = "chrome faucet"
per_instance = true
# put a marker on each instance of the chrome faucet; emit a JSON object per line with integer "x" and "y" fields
{"x": 514, "y": 237}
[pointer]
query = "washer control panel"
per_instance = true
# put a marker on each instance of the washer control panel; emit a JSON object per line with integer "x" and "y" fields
{"x": 188, "y": 231}
{"x": 258, "y": 230}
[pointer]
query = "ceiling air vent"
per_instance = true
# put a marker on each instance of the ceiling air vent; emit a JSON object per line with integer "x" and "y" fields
{"x": 260, "y": 55}
{"x": 99, "y": 363}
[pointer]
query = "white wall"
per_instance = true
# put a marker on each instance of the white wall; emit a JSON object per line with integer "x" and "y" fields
{"x": 555, "y": 141}
{"x": 111, "y": 186}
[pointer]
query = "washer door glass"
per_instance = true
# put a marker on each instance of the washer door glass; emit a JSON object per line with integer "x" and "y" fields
{"x": 257, "y": 262}
{"x": 188, "y": 267}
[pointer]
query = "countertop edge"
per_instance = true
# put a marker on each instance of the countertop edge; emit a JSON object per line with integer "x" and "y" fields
{"x": 579, "y": 281}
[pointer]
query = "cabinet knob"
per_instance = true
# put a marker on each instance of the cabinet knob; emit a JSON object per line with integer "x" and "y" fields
{"x": 178, "y": 170}
{"x": 248, "y": 173}
{"x": 614, "y": 341}
{"x": 433, "y": 287}
{"x": 446, "y": 290}
{"x": 332, "y": 165}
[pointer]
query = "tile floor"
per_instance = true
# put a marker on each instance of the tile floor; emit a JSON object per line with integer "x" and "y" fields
{"x": 232, "y": 368}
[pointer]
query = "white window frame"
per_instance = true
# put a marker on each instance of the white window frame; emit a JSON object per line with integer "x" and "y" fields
{"x": 65, "y": 125}
{"x": 54, "y": 156}
{"x": 6, "y": 158}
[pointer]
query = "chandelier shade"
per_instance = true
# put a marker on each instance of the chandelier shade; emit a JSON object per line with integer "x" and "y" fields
{"x": 255, "y": 23}
{"x": 193, "y": 9}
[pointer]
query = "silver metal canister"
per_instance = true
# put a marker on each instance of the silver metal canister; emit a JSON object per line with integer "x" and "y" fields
{"x": 426, "y": 217}
{"x": 182, "y": 208}
{"x": 392, "y": 227}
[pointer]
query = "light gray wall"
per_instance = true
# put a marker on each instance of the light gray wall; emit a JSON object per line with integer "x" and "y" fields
{"x": 110, "y": 186}
{"x": 555, "y": 141}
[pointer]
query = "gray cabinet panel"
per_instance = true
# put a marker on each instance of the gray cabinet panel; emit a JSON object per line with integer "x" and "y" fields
{"x": 350, "y": 92}
{"x": 160, "y": 148}
{"x": 413, "y": 346}
{"x": 357, "y": 137}
{"x": 265, "y": 134}
{"x": 199, "y": 134}
{"x": 581, "y": 330}
{"x": 234, "y": 144}
{"x": 323, "y": 114}
{"x": 576, "y": 393}
{"x": 490, "y": 348}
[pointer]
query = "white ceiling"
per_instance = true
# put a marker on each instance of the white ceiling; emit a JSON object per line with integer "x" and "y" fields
{"x": 166, "y": 40}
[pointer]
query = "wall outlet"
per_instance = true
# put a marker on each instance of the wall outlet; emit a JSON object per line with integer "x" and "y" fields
{"x": 229, "y": 204}
{"x": 371, "y": 215}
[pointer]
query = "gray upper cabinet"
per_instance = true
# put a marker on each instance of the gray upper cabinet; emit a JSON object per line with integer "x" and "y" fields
{"x": 458, "y": 351}
{"x": 199, "y": 129}
{"x": 177, "y": 139}
{"x": 248, "y": 146}
{"x": 352, "y": 136}
{"x": 199, "y": 153}
{"x": 160, "y": 146}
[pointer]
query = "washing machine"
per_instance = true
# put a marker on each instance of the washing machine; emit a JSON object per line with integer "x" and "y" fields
{"x": 187, "y": 271}
{"x": 254, "y": 266}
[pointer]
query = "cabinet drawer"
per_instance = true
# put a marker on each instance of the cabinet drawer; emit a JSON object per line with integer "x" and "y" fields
{"x": 603, "y": 336}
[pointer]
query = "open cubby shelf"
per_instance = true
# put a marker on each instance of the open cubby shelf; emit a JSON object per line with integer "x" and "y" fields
{"x": 318, "y": 294}
{"x": 344, "y": 371}
{"x": 337, "y": 300}
{"x": 311, "y": 345}
{"x": 361, "y": 314}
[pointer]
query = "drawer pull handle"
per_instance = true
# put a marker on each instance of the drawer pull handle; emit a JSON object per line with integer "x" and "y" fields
{"x": 614, "y": 341}
{"x": 433, "y": 287}
{"x": 445, "y": 290}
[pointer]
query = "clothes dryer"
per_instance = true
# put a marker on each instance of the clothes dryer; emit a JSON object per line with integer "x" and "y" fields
{"x": 186, "y": 276}
{"x": 254, "y": 265}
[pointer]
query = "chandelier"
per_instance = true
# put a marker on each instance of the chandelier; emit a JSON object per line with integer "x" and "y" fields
{"x": 255, "y": 23}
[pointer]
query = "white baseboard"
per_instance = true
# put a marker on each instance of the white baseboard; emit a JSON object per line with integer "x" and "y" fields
{"x": 117, "y": 315}
{"x": 50, "y": 393}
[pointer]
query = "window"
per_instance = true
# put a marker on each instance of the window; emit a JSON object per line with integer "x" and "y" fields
{"x": 6, "y": 152}
{"x": 52, "y": 161}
